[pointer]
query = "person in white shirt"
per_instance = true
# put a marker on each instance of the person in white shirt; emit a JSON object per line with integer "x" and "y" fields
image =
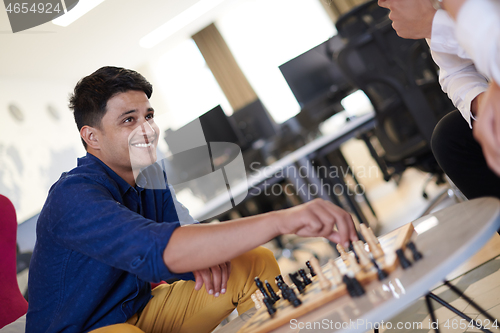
{"x": 453, "y": 143}
{"x": 478, "y": 31}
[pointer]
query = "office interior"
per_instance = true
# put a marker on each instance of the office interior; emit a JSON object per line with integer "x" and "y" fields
{"x": 273, "y": 77}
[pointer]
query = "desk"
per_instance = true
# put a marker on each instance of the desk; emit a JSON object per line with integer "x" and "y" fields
{"x": 288, "y": 166}
{"x": 446, "y": 238}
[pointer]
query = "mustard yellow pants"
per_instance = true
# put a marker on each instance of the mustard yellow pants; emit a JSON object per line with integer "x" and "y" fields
{"x": 177, "y": 307}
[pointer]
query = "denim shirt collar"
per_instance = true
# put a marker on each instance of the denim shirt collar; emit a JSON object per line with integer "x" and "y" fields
{"x": 123, "y": 186}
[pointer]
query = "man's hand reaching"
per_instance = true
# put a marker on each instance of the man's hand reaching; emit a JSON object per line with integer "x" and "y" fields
{"x": 215, "y": 278}
{"x": 317, "y": 218}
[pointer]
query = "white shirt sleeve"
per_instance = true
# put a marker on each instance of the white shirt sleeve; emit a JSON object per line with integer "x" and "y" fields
{"x": 458, "y": 75}
{"x": 478, "y": 31}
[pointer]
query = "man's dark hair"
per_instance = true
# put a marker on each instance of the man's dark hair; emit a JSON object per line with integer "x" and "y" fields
{"x": 92, "y": 93}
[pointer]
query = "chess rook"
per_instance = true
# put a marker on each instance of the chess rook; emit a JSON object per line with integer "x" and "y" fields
{"x": 336, "y": 275}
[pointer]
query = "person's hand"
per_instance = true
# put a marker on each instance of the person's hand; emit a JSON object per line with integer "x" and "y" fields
{"x": 476, "y": 102}
{"x": 317, "y": 218}
{"x": 215, "y": 278}
{"x": 486, "y": 129}
{"x": 411, "y": 19}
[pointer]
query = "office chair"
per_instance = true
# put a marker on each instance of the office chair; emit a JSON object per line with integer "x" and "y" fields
{"x": 401, "y": 81}
{"x": 13, "y": 304}
{"x": 360, "y": 19}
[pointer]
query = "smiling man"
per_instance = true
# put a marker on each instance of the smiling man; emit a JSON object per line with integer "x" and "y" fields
{"x": 102, "y": 238}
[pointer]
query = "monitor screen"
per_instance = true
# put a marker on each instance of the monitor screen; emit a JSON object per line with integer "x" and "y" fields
{"x": 254, "y": 122}
{"x": 216, "y": 126}
{"x": 314, "y": 73}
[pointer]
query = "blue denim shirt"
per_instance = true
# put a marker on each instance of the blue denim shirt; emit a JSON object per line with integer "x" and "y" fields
{"x": 99, "y": 243}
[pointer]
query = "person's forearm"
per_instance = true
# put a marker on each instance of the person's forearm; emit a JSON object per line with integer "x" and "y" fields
{"x": 194, "y": 247}
{"x": 476, "y": 102}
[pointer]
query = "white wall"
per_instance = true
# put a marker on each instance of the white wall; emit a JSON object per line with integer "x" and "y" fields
{"x": 34, "y": 152}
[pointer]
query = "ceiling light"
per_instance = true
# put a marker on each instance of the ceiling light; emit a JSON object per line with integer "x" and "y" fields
{"x": 178, "y": 22}
{"x": 81, "y": 8}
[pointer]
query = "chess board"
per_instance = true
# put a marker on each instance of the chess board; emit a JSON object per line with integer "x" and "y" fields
{"x": 314, "y": 297}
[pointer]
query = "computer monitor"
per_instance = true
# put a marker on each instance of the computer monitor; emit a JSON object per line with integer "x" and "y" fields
{"x": 254, "y": 123}
{"x": 314, "y": 73}
{"x": 216, "y": 127}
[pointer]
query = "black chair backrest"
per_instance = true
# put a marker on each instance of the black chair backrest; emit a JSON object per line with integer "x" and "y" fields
{"x": 360, "y": 19}
{"x": 401, "y": 80}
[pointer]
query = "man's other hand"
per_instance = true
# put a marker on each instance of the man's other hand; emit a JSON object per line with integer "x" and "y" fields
{"x": 317, "y": 218}
{"x": 412, "y": 19}
{"x": 486, "y": 130}
{"x": 215, "y": 278}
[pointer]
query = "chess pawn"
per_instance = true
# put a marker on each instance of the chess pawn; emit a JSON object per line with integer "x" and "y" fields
{"x": 381, "y": 274}
{"x": 256, "y": 301}
{"x": 405, "y": 263}
{"x": 353, "y": 265}
{"x": 324, "y": 283}
{"x": 364, "y": 259}
{"x": 336, "y": 275}
{"x": 342, "y": 252}
{"x": 416, "y": 254}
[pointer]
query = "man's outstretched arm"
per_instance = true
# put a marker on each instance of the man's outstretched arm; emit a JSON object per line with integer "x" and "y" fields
{"x": 195, "y": 247}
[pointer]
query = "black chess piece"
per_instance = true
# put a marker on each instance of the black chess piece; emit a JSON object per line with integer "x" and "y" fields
{"x": 297, "y": 282}
{"x": 381, "y": 274}
{"x": 292, "y": 297}
{"x": 308, "y": 264}
{"x": 348, "y": 283}
{"x": 269, "y": 305}
{"x": 358, "y": 288}
{"x": 283, "y": 287}
{"x": 259, "y": 284}
{"x": 280, "y": 281}
{"x": 405, "y": 263}
{"x": 279, "y": 278}
{"x": 416, "y": 254}
{"x": 351, "y": 248}
{"x": 271, "y": 292}
{"x": 305, "y": 278}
